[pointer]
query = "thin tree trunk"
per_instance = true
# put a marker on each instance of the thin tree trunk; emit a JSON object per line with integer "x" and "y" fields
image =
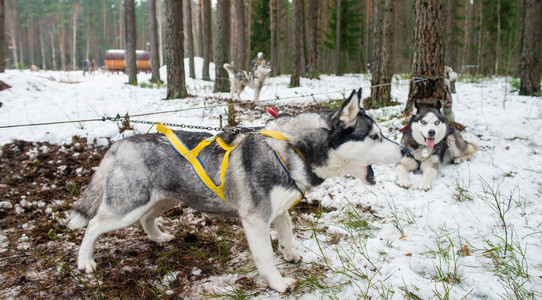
{"x": 518, "y": 45}
{"x": 189, "y": 39}
{"x": 449, "y": 32}
{"x": 2, "y": 38}
{"x": 277, "y": 60}
{"x": 74, "y": 42}
{"x": 159, "y": 12}
{"x": 62, "y": 40}
{"x": 130, "y": 48}
{"x": 249, "y": 31}
{"x": 42, "y": 46}
{"x": 297, "y": 35}
{"x": 241, "y": 39}
{"x": 31, "y": 35}
{"x": 272, "y": 20}
{"x": 13, "y": 34}
{"x": 222, "y": 81}
{"x": 382, "y": 52}
{"x": 338, "y": 40}
{"x": 530, "y": 57}
{"x": 312, "y": 19}
{"x": 176, "y": 86}
{"x": 207, "y": 39}
{"x": 427, "y": 65}
{"x": 155, "y": 57}
{"x": 499, "y": 33}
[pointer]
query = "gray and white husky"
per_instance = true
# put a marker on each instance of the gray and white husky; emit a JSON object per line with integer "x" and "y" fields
{"x": 430, "y": 143}
{"x": 143, "y": 176}
{"x": 255, "y": 80}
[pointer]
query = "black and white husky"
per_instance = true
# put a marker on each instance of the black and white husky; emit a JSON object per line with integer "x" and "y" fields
{"x": 255, "y": 80}
{"x": 430, "y": 143}
{"x": 143, "y": 176}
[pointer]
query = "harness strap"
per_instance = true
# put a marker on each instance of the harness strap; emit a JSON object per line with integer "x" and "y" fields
{"x": 278, "y": 136}
{"x": 419, "y": 162}
{"x": 192, "y": 157}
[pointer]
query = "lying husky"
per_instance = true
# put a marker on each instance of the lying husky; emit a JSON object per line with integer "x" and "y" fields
{"x": 255, "y": 80}
{"x": 430, "y": 143}
{"x": 143, "y": 176}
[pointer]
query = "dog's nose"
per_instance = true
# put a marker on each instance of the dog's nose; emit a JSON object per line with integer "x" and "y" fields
{"x": 404, "y": 151}
{"x": 431, "y": 132}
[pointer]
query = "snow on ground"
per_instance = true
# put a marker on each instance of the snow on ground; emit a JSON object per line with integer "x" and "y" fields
{"x": 476, "y": 234}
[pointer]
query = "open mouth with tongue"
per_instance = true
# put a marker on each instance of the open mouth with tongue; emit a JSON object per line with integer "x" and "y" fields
{"x": 370, "y": 175}
{"x": 430, "y": 142}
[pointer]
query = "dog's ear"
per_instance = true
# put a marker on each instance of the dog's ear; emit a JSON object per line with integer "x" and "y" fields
{"x": 416, "y": 107}
{"x": 438, "y": 105}
{"x": 359, "y": 92}
{"x": 345, "y": 116}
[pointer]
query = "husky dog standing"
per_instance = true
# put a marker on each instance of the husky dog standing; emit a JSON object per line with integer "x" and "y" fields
{"x": 143, "y": 176}
{"x": 430, "y": 143}
{"x": 255, "y": 80}
{"x": 449, "y": 78}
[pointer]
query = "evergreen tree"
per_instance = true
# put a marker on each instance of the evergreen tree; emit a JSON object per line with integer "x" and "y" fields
{"x": 351, "y": 29}
{"x": 260, "y": 27}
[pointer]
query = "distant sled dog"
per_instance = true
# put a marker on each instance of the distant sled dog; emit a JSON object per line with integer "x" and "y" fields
{"x": 255, "y": 80}
{"x": 430, "y": 143}
{"x": 143, "y": 176}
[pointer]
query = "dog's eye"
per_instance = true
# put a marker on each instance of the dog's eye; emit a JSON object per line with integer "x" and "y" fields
{"x": 437, "y": 122}
{"x": 374, "y": 137}
{"x": 423, "y": 122}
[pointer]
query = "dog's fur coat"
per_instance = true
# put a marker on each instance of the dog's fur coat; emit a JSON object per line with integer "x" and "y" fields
{"x": 431, "y": 143}
{"x": 143, "y": 176}
{"x": 255, "y": 80}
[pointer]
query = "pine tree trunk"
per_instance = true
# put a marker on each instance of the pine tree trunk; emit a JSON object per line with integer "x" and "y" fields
{"x": 31, "y": 35}
{"x": 155, "y": 57}
{"x": 176, "y": 86}
{"x": 222, "y": 81}
{"x": 449, "y": 32}
{"x": 312, "y": 19}
{"x": 241, "y": 39}
{"x": 518, "y": 45}
{"x": 207, "y": 44}
{"x": 338, "y": 40}
{"x": 62, "y": 41}
{"x": 382, "y": 51}
{"x": 277, "y": 60}
{"x": 297, "y": 35}
{"x": 272, "y": 21}
{"x": 189, "y": 38}
{"x": 130, "y": 47}
{"x": 530, "y": 56}
{"x": 427, "y": 62}
{"x": 2, "y": 38}
{"x": 42, "y": 46}
{"x": 74, "y": 37}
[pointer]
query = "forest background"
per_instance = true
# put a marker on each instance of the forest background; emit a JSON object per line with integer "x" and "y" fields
{"x": 481, "y": 36}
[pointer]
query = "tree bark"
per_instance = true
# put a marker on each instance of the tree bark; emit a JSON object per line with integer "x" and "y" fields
{"x": 449, "y": 32}
{"x": 518, "y": 45}
{"x": 427, "y": 61}
{"x": 530, "y": 56}
{"x": 207, "y": 44}
{"x": 176, "y": 86}
{"x": 189, "y": 45}
{"x": 222, "y": 81}
{"x": 382, "y": 51}
{"x": 241, "y": 40}
{"x": 312, "y": 20}
{"x": 130, "y": 47}
{"x": 153, "y": 28}
{"x": 297, "y": 35}
{"x": 2, "y": 38}
{"x": 338, "y": 40}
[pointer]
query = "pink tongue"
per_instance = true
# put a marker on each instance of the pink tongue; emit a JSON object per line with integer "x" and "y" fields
{"x": 430, "y": 143}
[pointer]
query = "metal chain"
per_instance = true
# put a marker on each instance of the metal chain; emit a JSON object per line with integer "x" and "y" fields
{"x": 118, "y": 118}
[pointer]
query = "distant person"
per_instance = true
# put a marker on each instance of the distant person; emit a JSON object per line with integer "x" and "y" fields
{"x": 86, "y": 66}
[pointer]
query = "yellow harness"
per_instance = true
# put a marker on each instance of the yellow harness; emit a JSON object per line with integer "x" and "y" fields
{"x": 192, "y": 157}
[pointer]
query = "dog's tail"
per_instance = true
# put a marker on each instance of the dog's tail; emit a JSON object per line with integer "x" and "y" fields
{"x": 87, "y": 206}
{"x": 229, "y": 68}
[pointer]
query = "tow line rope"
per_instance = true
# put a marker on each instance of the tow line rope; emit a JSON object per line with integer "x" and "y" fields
{"x": 192, "y": 157}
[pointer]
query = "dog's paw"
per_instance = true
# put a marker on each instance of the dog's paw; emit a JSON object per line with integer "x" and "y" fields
{"x": 403, "y": 184}
{"x": 424, "y": 187}
{"x": 291, "y": 256}
{"x": 163, "y": 238}
{"x": 87, "y": 265}
{"x": 461, "y": 159}
{"x": 286, "y": 285}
